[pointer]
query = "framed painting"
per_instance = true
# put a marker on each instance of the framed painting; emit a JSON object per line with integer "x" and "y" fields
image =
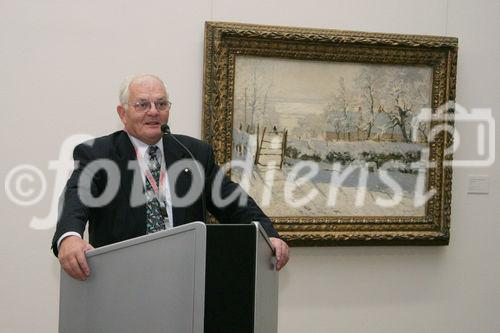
{"x": 337, "y": 135}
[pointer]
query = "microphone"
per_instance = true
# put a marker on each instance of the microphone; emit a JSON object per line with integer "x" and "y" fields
{"x": 165, "y": 129}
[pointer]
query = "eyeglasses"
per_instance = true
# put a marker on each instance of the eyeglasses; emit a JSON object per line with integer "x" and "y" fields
{"x": 145, "y": 105}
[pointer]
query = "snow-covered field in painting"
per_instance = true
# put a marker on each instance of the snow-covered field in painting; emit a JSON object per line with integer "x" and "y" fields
{"x": 271, "y": 194}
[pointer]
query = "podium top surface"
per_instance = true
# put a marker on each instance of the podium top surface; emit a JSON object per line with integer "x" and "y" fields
{"x": 194, "y": 226}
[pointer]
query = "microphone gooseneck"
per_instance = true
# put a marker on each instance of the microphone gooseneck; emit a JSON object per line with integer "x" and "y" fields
{"x": 165, "y": 129}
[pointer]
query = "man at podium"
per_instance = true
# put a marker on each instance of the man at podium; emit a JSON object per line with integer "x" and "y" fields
{"x": 144, "y": 179}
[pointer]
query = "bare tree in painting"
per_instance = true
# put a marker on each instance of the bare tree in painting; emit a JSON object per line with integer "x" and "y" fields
{"x": 406, "y": 97}
{"x": 401, "y": 116}
{"x": 332, "y": 122}
{"x": 360, "y": 124}
{"x": 337, "y": 113}
{"x": 370, "y": 83}
{"x": 257, "y": 92}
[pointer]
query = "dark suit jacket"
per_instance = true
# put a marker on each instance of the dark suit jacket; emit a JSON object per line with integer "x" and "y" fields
{"x": 118, "y": 220}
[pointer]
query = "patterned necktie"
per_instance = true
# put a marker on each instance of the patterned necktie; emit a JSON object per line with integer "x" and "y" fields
{"x": 154, "y": 217}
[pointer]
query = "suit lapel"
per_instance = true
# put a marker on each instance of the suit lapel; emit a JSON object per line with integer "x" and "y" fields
{"x": 174, "y": 152}
{"x": 131, "y": 182}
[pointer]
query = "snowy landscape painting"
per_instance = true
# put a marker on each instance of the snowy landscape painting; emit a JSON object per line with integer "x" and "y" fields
{"x": 341, "y": 137}
{"x": 333, "y": 117}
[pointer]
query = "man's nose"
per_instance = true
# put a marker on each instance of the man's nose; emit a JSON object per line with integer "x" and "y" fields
{"x": 153, "y": 110}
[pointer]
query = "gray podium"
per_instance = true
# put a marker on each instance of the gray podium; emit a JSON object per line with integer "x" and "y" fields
{"x": 190, "y": 279}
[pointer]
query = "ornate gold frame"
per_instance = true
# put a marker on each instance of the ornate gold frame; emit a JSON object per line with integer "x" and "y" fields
{"x": 223, "y": 41}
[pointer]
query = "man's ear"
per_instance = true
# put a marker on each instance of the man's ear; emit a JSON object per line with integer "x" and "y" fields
{"x": 121, "y": 113}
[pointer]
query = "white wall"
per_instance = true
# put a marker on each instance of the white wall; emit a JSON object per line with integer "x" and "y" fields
{"x": 60, "y": 66}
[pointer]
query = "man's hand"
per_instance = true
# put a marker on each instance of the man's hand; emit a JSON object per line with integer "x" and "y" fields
{"x": 281, "y": 252}
{"x": 72, "y": 257}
